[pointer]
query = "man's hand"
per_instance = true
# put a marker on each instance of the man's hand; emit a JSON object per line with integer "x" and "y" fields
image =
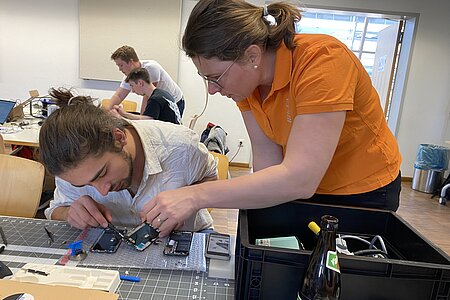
{"x": 169, "y": 209}
{"x": 83, "y": 213}
{"x": 118, "y": 111}
{"x": 118, "y": 97}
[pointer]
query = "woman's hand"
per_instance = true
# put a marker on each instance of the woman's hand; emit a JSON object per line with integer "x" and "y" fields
{"x": 169, "y": 209}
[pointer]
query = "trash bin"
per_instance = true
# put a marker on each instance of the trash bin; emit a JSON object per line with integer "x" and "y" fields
{"x": 429, "y": 168}
{"x": 427, "y": 181}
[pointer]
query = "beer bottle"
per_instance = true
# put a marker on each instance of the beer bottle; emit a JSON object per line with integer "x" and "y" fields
{"x": 323, "y": 278}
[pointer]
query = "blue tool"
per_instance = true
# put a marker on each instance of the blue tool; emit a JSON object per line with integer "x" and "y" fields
{"x": 76, "y": 251}
{"x": 76, "y": 247}
{"x": 130, "y": 278}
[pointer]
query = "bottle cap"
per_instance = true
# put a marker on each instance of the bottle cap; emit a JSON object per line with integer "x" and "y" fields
{"x": 314, "y": 227}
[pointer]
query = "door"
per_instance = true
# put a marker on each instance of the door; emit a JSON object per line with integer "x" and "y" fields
{"x": 384, "y": 63}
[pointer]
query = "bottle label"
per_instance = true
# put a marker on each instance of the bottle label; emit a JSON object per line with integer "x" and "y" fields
{"x": 332, "y": 261}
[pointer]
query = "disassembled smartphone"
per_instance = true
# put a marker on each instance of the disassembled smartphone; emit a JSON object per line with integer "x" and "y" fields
{"x": 218, "y": 246}
{"x": 142, "y": 236}
{"x": 108, "y": 241}
{"x": 178, "y": 243}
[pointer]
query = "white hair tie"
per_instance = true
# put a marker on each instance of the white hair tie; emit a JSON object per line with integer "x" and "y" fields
{"x": 70, "y": 100}
{"x": 268, "y": 17}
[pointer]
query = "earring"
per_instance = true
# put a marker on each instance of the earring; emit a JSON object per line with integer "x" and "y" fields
{"x": 255, "y": 67}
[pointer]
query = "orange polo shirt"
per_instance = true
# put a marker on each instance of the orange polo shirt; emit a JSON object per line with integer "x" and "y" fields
{"x": 322, "y": 75}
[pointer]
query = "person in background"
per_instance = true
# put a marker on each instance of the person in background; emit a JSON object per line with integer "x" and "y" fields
{"x": 160, "y": 104}
{"x": 315, "y": 122}
{"x": 126, "y": 60}
{"x": 108, "y": 168}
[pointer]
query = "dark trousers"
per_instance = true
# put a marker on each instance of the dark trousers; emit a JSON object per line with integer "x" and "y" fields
{"x": 180, "y": 105}
{"x": 386, "y": 197}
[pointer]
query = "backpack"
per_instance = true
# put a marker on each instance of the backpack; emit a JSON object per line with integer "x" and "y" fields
{"x": 214, "y": 137}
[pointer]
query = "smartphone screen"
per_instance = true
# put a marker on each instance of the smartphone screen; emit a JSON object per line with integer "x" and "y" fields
{"x": 218, "y": 246}
{"x": 142, "y": 236}
{"x": 108, "y": 241}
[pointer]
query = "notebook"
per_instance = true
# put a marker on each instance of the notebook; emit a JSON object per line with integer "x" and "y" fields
{"x": 5, "y": 108}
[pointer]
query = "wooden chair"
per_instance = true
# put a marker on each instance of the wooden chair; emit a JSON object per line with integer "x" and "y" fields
{"x": 21, "y": 186}
{"x": 128, "y": 105}
{"x": 2, "y": 145}
{"x": 222, "y": 165}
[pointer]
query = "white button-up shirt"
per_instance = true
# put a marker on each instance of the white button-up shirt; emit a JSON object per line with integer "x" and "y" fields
{"x": 174, "y": 157}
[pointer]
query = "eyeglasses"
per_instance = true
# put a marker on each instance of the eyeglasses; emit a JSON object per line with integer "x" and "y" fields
{"x": 216, "y": 81}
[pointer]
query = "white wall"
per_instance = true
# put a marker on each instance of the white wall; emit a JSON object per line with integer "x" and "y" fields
{"x": 39, "y": 49}
{"x": 220, "y": 110}
{"x": 39, "y": 43}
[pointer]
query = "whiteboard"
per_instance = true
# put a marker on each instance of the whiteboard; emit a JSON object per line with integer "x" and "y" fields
{"x": 151, "y": 27}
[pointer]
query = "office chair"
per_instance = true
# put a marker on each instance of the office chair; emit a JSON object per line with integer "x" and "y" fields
{"x": 128, "y": 105}
{"x": 22, "y": 181}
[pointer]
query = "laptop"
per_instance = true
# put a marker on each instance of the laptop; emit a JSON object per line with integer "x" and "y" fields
{"x": 5, "y": 108}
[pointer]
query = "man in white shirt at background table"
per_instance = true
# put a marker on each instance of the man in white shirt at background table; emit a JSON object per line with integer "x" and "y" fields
{"x": 126, "y": 60}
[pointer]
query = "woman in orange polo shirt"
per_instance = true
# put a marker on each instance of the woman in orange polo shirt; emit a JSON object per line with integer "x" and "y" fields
{"x": 315, "y": 121}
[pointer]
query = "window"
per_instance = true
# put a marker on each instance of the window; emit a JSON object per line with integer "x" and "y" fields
{"x": 358, "y": 31}
{"x": 362, "y": 31}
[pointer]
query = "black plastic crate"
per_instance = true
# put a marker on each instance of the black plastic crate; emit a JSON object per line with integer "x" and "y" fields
{"x": 416, "y": 268}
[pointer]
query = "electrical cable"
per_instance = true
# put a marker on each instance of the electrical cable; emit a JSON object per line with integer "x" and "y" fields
{"x": 372, "y": 248}
{"x": 380, "y": 239}
{"x": 367, "y": 252}
{"x": 355, "y": 238}
{"x": 206, "y": 99}
{"x": 196, "y": 117}
{"x": 237, "y": 151}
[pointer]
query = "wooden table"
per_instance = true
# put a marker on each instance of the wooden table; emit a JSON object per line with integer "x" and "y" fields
{"x": 25, "y": 135}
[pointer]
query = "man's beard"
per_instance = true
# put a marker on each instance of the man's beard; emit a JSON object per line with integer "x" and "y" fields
{"x": 127, "y": 157}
